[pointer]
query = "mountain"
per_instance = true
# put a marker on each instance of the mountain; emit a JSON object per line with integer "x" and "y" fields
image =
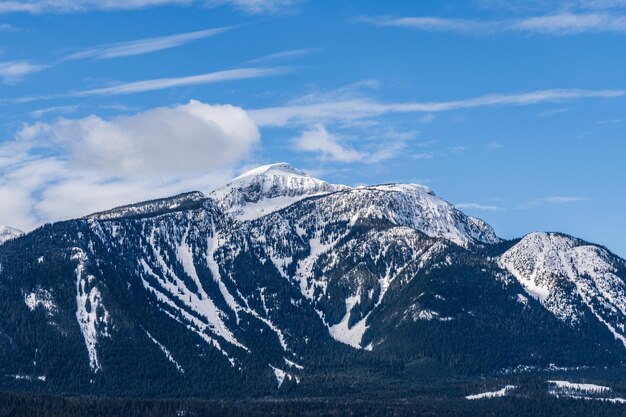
{"x": 574, "y": 280}
{"x": 282, "y": 284}
{"x": 7, "y": 233}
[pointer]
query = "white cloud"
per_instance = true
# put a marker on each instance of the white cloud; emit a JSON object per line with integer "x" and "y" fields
{"x": 167, "y": 140}
{"x": 69, "y": 168}
{"x": 144, "y": 46}
{"x": 258, "y": 6}
{"x": 424, "y": 155}
{"x": 319, "y": 140}
{"x": 352, "y": 109}
{"x": 477, "y": 206}
{"x": 54, "y": 109}
{"x": 13, "y": 71}
{"x": 610, "y": 121}
{"x": 75, "y": 6}
{"x": 157, "y": 84}
{"x": 570, "y": 23}
{"x": 375, "y": 146}
{"x": 284, "y": 55}
{"x": 561, "y": 23}
{"x": 164, "y": 83}
{"x": 555, "y": 200}
{"x": 430, "y": 23}
{"x": 552, "y": 112}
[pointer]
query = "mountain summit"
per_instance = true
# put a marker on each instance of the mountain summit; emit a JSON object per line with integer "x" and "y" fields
{"x": 7, "y": 233}
{"x": 280, "y": 282}
{"x": 269, "y": 188}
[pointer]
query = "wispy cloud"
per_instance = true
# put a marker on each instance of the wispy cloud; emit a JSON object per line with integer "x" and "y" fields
{"x": 76, "y": 6}
{"x": 430, "y": 23}
{"x": 610, "y": 121}
{"x": 12, "y": 72}
{"x": 494, "y": 145}
{"x": 319, "y": 140}
{"x": 550, "y": 24}
{"x": 143, "y": 46}
{"x": 423, "y": 155}
{"x": 55, "y": 109}
{"x": 165, "y": 83}
{"x": 158, "y": 84}
{"x": 368, "y": 148}
{"x": 257, "y": 6}
{"x": 478, "y": 206}
{"x": 569, "y": 23}
{"x": 552, "y": 112}
{"x": 284, "y": 55}
{"x": 359, "y": 108}
{"x": 556, "y": 200}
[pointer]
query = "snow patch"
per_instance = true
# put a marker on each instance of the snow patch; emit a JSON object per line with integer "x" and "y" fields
{"x": 92, "y": 316}
{"x": 343, "y": 333}
{"x": 166, "y": 352}
{"x": 492, "y": 394}
{"x": 281, "y": 376}
{"x": 41, "y": 298}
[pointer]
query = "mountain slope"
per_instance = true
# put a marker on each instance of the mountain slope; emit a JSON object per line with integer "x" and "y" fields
{"x": 7, "y": 233}
{"x": 571, "y": 278}
{"x": 278, "y": 280}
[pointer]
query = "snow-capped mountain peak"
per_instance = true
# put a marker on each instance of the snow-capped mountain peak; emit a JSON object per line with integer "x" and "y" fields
{"x": 268, "y": 188}
{"x": 7, "y": 233}
{"x": 277, "y": 169}
{"x": 571, "y": 278}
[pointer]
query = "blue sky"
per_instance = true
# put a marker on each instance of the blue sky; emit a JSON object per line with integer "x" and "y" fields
{"x": 512, "y": 110}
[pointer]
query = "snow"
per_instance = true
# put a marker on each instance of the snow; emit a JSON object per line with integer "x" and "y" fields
{"x": 166, "y": 352}
{"x": 420, "y": 208}
{"x": 213, "y": 245}
{"x": 578, "y": 386}
{"x": 266, "y": 206}
{"x": 199, "y": 301}
{"x": 304, "y": 272}
{"x": 88, "y": 304}
{"x": 20, "y": 377}
{"x": 492, "y": 394}
{"x": 148, "y": 207}
{"x": 349, "y": 335}
{"x": 40, "y": 298}
{"x": 293, "y": 364}
{"x": 281, "y": 376}
{"x": 522, "y": 299}
{"x": 267, "y": 189}
{"x": 8, "y": 233}
{"x": 582, "y": 391}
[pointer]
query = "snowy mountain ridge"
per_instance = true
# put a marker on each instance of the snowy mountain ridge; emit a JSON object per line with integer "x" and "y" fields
{"x": 7, "y": 233}
{"x": 151, "y": 207}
